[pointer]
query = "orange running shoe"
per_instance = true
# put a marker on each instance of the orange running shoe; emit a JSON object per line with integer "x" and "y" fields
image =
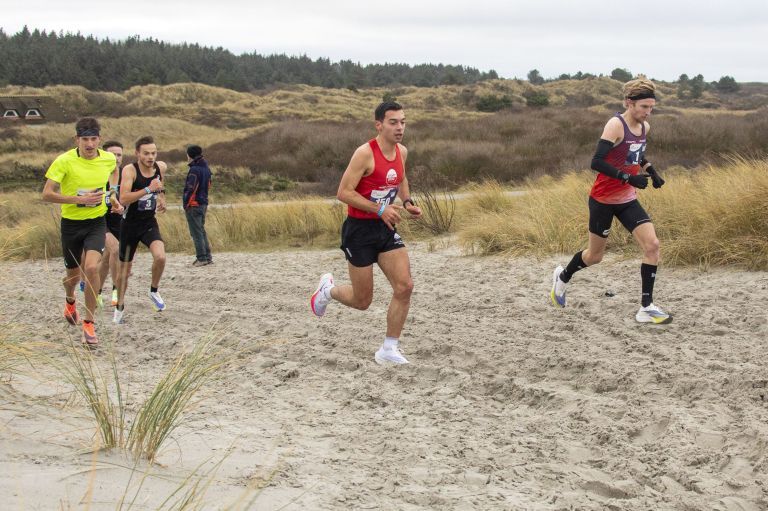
{"x": 70, "y": 313}
{"x": 89, "y": 334}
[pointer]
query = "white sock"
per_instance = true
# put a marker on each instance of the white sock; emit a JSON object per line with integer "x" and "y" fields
{"x": 390, "y": 342}
{"x": 327, "y": 293}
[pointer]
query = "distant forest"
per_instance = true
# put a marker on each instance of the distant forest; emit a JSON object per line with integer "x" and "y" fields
{"x": 40, "y": 58}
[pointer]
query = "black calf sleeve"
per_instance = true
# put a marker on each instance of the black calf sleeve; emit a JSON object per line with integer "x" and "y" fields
{"x": 648, "y": 276}
{"x": 576, "y": 264}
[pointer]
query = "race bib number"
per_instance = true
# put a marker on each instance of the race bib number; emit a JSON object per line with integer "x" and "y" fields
{"x": 147, "y": 203}
{"x": 635, "y": 154}
{"x": 83, "y": 192}
{"x": 385, "y": 196}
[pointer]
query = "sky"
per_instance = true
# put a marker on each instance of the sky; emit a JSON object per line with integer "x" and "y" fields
{"x": 661, "y": 39}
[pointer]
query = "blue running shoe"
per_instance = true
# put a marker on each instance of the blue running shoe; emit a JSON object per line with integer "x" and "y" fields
{"x": 157, "y": 301}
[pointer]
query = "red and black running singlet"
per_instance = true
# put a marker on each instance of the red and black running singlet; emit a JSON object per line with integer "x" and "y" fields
{"x": 626, "y": 157}
{"x": 382, "y": 184}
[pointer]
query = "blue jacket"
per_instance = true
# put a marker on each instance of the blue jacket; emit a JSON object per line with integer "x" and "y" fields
{"x": 198, "y": 183}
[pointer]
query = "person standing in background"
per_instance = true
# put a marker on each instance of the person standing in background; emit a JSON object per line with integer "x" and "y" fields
{"x": 195, "y": 203}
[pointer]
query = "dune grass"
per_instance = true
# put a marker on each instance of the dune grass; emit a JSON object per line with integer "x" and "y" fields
{"x": 102, "y": 394}
{"x": 713, "y": 215}
{"x": 710, "y": 217}
{"x": 100, "y": 387}
{"x": 163, "y": 410}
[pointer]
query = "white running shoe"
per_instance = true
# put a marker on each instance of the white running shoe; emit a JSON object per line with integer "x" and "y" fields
{"x": 388, "y": 356}
{"x": 322, "y": 296}
{"x": 157, "y": 301}
{"x": 653, "y": 314}
{"x": 117, "y": 316}
{"x": 557, "y": 295}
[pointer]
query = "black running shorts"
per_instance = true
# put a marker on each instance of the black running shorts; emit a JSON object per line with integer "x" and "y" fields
{"x": 363, "y": 240}
{"x": 81, "y": 235}
{"x": 630, "y": 214}
{"x": 133, "y": 233}
{"x": 113, "y": 224}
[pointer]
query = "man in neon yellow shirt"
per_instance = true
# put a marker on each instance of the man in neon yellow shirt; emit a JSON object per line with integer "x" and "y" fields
{"x": 77, "y": 180}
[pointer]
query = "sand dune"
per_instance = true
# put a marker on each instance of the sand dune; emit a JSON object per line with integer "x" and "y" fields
{"x": 508, "y": 403}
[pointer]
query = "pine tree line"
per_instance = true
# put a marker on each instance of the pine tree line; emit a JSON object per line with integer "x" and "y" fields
{"x": 39, "y": 58}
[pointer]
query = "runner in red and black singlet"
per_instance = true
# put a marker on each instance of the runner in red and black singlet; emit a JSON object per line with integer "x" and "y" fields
{"x": 626, "y": 157}
{"x": 374, "y": 178}
{"x": 620, "y": 161}
{"x": 141, "y": 192}
{"x": 382, "y": 184}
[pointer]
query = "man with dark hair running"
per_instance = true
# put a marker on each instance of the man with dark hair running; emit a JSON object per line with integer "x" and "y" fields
{"x": 77, "y": 180}
{"x": 620, "y": 161}
{"x": 114, "y": 218}
{"x": 141, "y": 192}
{"x": 373, "y": 179}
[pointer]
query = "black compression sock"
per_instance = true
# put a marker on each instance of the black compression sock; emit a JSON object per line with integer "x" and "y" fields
{"x": 648, "y": 276}
{"x": 152, "y": 289}
{"x": 576, "y": 264}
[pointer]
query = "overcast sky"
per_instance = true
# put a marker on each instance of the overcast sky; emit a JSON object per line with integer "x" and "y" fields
{"x": 661, "y": 39}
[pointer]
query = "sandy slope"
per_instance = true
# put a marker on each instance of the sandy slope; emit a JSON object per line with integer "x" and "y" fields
{"x": 508, "y": 403}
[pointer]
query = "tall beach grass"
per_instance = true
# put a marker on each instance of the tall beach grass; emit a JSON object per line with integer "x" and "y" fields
{"x": 712, "y": 216}
{"x": 715, "y": 215}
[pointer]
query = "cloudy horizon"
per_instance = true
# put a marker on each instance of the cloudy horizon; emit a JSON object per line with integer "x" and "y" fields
{"x": 662, "y": 40}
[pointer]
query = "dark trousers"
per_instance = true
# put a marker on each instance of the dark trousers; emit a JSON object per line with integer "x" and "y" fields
{"x": 196, "y": 220}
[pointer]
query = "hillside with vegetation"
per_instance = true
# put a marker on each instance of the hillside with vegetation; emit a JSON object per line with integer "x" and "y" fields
{"x": 301, "y": 137}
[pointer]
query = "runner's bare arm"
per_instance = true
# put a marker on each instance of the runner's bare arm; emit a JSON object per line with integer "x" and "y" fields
{"x": 161, "y": 194}
{"x": 114, "y": 177}
{"x": 113, "y": 198}
{"x": 405, "y": 190}
{"x": 127, "y": 197}
{"x": 613, "y": 131}
{"x": 405, "y": 195}
{"x": 52, "y": 193}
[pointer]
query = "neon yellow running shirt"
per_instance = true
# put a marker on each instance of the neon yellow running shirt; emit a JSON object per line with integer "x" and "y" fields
{"x": 76, "y": 176}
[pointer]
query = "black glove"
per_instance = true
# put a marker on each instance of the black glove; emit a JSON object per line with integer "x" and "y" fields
{"x": 638, "y": 181}
{"x": 658, "y": 182}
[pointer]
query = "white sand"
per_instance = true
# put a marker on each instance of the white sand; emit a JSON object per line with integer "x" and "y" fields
{"x": 508, "y": 403}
